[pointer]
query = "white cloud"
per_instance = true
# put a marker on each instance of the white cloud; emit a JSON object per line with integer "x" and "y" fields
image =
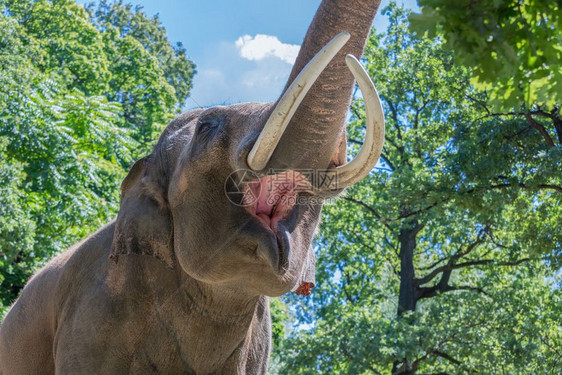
{"x": 262, "y": 46}
{"x": 225, "y": 77}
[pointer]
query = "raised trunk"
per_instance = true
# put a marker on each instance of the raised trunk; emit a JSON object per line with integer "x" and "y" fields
{"x": 314, "y": 138}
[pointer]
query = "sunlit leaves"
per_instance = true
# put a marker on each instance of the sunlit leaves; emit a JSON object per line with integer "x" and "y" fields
{"x": 150, "y": 77}
{"x": 511, "y": 46}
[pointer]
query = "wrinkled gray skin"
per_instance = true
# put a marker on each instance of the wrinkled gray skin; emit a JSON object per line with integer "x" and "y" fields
{"x": 179, "y": 282}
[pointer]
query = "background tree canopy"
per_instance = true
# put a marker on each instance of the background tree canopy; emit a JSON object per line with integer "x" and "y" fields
{"x": 513, "y": 47}
{"x": 84, "y": 93}
{"x": 446, "y": 259}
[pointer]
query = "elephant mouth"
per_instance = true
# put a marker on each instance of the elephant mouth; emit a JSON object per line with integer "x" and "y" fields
{"x": 274, "y": 198}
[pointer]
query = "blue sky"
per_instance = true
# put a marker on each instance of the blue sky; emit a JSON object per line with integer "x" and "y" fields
{"x": 243, "y": 49}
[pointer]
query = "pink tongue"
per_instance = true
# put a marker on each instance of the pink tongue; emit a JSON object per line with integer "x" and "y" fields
{"x": 275, "y": 190}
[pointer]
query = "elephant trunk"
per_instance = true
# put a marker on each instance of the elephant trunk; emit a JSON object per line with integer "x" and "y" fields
{"x": 315, "y": 136}
{"x": 306, "y": 130}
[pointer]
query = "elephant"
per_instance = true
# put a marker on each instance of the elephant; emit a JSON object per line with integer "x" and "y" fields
{"x": 216, "y": 220}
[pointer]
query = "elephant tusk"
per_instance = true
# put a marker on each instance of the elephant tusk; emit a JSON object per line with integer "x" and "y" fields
{"x": 354, "y": 171}
{"x": 285, "y": 109}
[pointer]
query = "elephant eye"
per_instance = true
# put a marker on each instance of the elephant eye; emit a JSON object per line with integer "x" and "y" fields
{"x": 205, "y": 127}
{"x": 206, "y": 130}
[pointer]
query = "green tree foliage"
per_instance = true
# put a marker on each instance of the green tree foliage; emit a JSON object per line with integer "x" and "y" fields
{"x": 151, "y": 35}
{"x": 148, "y": 74}
{"x": 442, "y": 260}
{"x": 513, "y": 47}
{"x": 79, "y": 101}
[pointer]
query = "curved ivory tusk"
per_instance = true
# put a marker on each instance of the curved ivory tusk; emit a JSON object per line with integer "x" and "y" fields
{"x": 354, "y": 171}
{"x": 290, "y": 101}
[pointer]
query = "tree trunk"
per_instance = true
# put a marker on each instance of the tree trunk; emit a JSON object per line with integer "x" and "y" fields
{"x": 407, "y": 297}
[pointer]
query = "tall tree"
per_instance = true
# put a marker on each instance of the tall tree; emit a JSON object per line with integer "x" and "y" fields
{"x": 78, "y": 103}
{"x": 434, "y": 263}
{"x": 131, "y": 21}
{"x": 149, "y": 76}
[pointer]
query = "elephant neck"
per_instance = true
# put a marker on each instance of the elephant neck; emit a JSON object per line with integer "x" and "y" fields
{"x": 220, "y": 303}
{"x": 220, "y": 329}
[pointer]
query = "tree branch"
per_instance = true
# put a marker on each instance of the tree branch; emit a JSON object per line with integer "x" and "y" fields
{"x": 443, "y": 286}
{"x": 447, "y": 357}
{"x": 452, "y": 262}
{"x": 352, "y": 359}
{"x": 429, "y": 292}
{"x": 345, "y": 280}
{"x": 387, "y": 161}
{"x": 393, "y": 144}
{"x": 437, "y": 353}
{"x": 553, "y": 115}
{"x": 480, "y": 189}
{"x": 449, "y": 267}
{"x": 464, "y": 287}
{"x": 479, "y": 102}
{"x": 535, "y": 124}
{"x": 434, "y": 264}
{"x": 370, "y": 209}
{"x": 557, "y": 124}
{"x": 407, "y": 214}
{"x": 418, "y": 111}
{"x": 421, "y": 210}
{"x": 383, "y": 156}
{"x": 521, "y": 185}
{"x": 394, "y": 115}
{"x": 556, "y": 120}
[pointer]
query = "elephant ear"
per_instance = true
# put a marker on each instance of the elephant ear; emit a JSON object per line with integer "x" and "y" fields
{"x": 144, "y": 222}
{"x": 307, "y": 280}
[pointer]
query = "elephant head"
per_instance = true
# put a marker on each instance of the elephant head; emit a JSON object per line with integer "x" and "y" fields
{"x": 232, "y": 195}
